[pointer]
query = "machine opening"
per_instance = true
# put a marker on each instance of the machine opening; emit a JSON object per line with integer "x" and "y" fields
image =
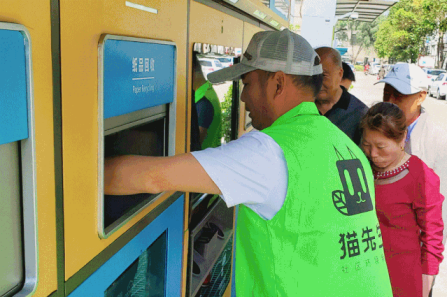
{"x": 148, "y": 139}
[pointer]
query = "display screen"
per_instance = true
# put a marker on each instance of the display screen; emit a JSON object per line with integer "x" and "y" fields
{"x": 146, "y": 276}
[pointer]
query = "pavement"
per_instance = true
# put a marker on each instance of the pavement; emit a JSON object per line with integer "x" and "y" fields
{"x": 365, "y": 90}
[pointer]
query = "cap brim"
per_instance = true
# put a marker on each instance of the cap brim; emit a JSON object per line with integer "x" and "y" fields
{"x": 402, "y": 87}
{"x": 231, "y": 73}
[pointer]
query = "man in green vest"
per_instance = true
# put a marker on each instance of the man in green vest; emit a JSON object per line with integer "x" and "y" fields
{"x": 307, "y": 224}
{"x": 209, "y": 112}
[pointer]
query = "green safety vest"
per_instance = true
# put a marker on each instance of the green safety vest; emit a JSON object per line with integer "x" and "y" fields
{"x": 214, "y": 136}
{"x": 325, "y": 240}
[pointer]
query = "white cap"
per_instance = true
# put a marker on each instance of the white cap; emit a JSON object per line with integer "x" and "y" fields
{"x": 273, "y": 51}
{"x": 406, "y": 78}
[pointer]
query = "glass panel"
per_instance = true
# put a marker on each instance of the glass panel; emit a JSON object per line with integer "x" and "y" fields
{"x": 220, "y": 274}
{"x": 435, "y": 72}
{"x": 214, "y": 108}
{"x": 146, "y": 139}
{"x": 212, "y": 58}
{"x": 282, "y": 6}
{"x": 11, "y": 255}
{"x": 206, "y": 63}
{"x": 146, "y": 277}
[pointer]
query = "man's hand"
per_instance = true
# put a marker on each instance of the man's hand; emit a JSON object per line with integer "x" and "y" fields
{"x": 132, "y": 174}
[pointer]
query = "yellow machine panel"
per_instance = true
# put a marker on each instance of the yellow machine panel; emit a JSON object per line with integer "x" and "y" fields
{"x": 36, "y": 19}
{"x": 82, "y": 25}
{"x": 208, "y": 25}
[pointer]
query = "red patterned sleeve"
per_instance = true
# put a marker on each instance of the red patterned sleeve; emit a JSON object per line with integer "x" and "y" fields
{"x": 428, "y": 207}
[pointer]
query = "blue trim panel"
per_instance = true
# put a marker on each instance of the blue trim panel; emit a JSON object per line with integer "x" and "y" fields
{"x": 171, "y": 221}
{"x": 13, "y": 86}
{"x": 137, "y": 75}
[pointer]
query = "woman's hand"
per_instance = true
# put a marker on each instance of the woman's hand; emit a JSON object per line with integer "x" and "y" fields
{"x": 427, "y": 282}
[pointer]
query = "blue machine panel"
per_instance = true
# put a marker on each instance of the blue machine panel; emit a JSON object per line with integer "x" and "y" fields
{"x": 165, "y": 232}
{"x": 13, "y": 86}
{"x": 136, "y": 74}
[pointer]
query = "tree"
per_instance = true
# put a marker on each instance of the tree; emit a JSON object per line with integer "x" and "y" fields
{"x": 364, "y": 32}
{"x": 226, "y": 106}
{"x": 294, "y": 28}
{"x": 402, "y": 34}
{"x": 435, "y": 17}
{"x": 341, "y": 30}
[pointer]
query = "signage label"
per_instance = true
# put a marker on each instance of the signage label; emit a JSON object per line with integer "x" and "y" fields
{"x": 136, "y": 74}
{"x": 13, "y": 86}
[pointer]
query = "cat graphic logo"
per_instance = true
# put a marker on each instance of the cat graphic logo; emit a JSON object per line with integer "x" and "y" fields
{"x": 355, "y": 197}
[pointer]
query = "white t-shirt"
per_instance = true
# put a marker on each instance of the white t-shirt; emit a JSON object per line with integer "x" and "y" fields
{"x": 251, "y": 170}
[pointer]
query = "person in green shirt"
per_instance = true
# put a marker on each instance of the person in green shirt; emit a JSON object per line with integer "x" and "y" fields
{"x": 209, "y": 112}
{"x": 307, "y": 224}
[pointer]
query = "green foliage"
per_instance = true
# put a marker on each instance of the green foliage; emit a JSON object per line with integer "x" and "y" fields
{"x": 365, "y": 33}
{"x": 402, "y": 35}
{"x": 294, "y": 28}
{"x": 358, "y": 67}
{"x": 435, "y": 13}
{"x": 435, "y": 16}
{"x": 226, "y": 114}
{"x": 341, "y": 29}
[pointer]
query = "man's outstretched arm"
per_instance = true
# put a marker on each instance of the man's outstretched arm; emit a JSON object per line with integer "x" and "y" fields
{"x": 132, "y": 174}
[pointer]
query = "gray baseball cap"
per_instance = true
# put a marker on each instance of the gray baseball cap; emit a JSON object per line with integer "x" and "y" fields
{"x": 273, "y": 51}
{"x": 406, "y": 78}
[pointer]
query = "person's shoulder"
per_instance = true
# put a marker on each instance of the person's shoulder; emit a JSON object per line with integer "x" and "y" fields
{"x": 437, "y": 124}
{"x": 416, "y": 162}
{"x": 433, "y": 126}
{"x": 357, "y": 103}
{"x": 258, "y": 137}
{"x": 418, "y": 168}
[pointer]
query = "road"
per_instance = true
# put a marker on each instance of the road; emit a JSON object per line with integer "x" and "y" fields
{"x": 365, "y": 90}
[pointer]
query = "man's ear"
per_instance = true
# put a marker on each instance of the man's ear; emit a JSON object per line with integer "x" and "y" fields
{"x": 280, "y": 82}
{"x": 421, "y": 97}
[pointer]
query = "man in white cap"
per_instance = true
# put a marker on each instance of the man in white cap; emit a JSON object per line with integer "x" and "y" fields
{"x": 406, "y": 86}
{"x": 306, "y": 222}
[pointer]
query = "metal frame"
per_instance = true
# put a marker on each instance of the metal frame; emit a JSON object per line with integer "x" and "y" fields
{"x": 57, "y": 135}
{"x": 170, "y": 221}
{"x": 368, "y": 11}
{"x": 28, "y": 167}
{"x": 171, "y": 134}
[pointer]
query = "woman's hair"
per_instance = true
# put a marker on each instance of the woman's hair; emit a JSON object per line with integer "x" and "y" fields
{"x": 387, "y": 119}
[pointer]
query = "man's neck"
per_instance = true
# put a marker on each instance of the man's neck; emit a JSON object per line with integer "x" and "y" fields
{"x": 413, "y": 118}
{"x": 325, "y": 105}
